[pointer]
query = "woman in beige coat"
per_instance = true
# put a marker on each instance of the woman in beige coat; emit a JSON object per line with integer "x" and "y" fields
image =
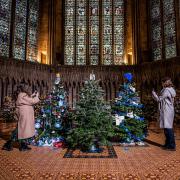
{"x": 25, "y": 114}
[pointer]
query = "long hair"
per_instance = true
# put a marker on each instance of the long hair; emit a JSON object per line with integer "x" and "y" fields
{"x": 167, "y": 82}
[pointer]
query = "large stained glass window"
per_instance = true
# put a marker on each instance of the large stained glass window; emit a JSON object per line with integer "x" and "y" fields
{"x": 5, "y": 20}
{"x": 32, "y": 30}
{"x": 163, "y": 29}
{"x": 19, "y": 18}
{"x": 118, "y": 31}
{"x": 156, "y": 30}
{"x": 69, "y": 32}
{"x": 94, "y": 29}
{"x": 81, "y": 32}
{"x": 169, "y": 28}
{"x": 107, "y": 32}
{"x": 94, "y": 32}
{"x": 20, "y": 29}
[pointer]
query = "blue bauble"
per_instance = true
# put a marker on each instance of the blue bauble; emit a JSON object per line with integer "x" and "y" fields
{"x": 57, "y": 125}
{"x": 128, "y": 76}
{"x": 61, "y": 103}
{"x": 37, "y": 125}
{"x": 48, "y": 111}
{"x": 120, "y": 94}
{"x": 40, "y": 143}
{"x": 140, "y": 106}
{"x": 60, "y": 138}
{"x": 141, "y": 118}
{"x": 126, "y": 129}
{"x": 61, "y": 96}
{"x": 38, "y": 120}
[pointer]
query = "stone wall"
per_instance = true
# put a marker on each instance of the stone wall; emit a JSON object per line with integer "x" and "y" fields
{"x": 146, "y": 76}
{"x": 12, "y": 72}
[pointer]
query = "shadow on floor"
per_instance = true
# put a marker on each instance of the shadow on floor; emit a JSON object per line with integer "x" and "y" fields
{"x": 153, "y": 143}
{"x": 157, "y": 131}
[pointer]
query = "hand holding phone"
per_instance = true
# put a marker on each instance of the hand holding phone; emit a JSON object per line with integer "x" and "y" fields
{"x": 35, "y": 93}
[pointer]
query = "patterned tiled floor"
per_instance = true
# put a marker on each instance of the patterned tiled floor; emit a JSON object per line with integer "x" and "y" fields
{"x": 141, "y": 163}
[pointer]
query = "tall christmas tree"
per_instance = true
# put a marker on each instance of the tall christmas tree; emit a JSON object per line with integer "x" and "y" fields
{"x": 50, "y": 117}
{"x": 131, "y": 127}
{"x": 92, "y": 119}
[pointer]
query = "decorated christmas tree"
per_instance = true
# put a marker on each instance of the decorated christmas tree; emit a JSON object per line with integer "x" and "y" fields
{"x": 131, "y": 127}
{"x": 50, "y": 116}
{"x": 92, "y": 119}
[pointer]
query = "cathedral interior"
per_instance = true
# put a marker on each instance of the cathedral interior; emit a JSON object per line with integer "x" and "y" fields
{"x": 40, "y": 38}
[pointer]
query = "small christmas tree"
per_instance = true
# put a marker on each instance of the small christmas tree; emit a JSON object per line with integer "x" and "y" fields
{"x": 7, "y": 112}
{"x": 92, "y": 119}
{"x": 131, "y": 126}
{"x": 50, "y": 117}
{"x": 177, "y": 108}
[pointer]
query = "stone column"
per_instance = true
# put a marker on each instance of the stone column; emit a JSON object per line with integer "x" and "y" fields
{"x": 51, "y": 31}
{"x": 1, "y": 91}
{"x": 74, "y": 100}
{"x": 70, "y": 91}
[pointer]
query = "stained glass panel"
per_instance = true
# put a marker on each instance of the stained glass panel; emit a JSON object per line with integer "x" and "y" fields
{"x": 102, "y": 31}
{"x": 94, "y": 31}
{"x": 107, "y": 32}
{"x": 169, "y": 28}
{"x": 20, "y": 29}
{"x": 156, "y": 35}
{"x": 32, "y": 30}
{"x": 69, "y": 55}
{"x": 118, "y": 31}
{"x": 81, "y": 32}
{"x": 5, "y": 20}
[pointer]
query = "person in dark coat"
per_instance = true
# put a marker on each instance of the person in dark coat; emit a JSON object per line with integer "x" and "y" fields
{"x": 166, "y": 111}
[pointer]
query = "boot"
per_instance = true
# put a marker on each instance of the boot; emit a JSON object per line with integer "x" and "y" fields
{"x": 8, "y": 146}
{"x": 27, "y": 147}
{"x": 24, "y": 147}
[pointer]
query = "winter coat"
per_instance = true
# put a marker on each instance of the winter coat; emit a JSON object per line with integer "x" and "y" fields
{"x": 25, "y": 113}
{"x": 166, "y": 106}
